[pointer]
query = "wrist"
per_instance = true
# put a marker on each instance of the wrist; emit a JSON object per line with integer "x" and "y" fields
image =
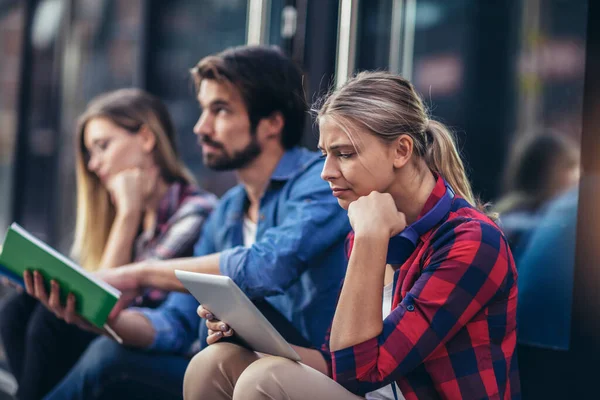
{"x": 129, "y": 214}
{"x": 370, "y": 248}
{"x": 144, "y": 273}
{"x": 373, "y": 235}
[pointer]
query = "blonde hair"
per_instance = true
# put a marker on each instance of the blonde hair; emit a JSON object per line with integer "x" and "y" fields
{"x": 130, "y": 109}
{"x": 387, "y": 106}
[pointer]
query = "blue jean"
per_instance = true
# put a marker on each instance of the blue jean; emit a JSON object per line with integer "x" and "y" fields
{"x": 108, "y": 370}
{"x": 41, "y": 349}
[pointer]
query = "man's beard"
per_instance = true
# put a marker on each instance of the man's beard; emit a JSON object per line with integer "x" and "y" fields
{"x": 239, "y": 159}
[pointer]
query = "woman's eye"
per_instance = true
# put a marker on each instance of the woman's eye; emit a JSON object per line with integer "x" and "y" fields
{"x": 345, "y": 155}
{"x": 323, "y": 155}
{"x": 102, "y": 145}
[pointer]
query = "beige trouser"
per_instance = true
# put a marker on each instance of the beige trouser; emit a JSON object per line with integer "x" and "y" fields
{"x": 227, "y": 371}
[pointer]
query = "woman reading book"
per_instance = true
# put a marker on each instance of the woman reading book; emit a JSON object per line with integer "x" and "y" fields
{"x": 428, "y": 305}
{"x": 135, "y": 201}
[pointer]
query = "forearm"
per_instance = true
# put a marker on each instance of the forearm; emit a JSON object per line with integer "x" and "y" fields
{"x": 161, "y": 274}
{"x": 134, "y": 328}
{"x": 358, "y": 316}
{"x": 119, "y": 246}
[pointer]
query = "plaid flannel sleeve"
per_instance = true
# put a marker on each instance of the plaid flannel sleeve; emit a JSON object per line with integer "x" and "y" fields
{"x": 175, "y": 321}
{"x": 466, "y": 267}
{"x": 183, "y": 231}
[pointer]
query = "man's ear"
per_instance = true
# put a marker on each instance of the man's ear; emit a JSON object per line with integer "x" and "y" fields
{"x": 272, "y": 126}
{"x": 147, "y": 138}
{"x": 403, "y": 150}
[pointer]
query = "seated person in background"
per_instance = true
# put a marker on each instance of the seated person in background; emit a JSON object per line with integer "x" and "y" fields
{"x": 546, "y": 277}
{"x": 541, "y": 168}
{"x": 135, "y": 201}
{"x": 429, "y": 315}
{"x": 279, "y": 234}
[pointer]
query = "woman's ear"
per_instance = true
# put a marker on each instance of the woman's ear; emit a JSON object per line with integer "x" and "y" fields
{"x": 147, "y": 138}
{"x": 403, "y": 149}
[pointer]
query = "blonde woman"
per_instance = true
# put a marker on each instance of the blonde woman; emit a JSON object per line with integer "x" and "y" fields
{"x": 428, "y": 305}
{"x": 135, "y": 201}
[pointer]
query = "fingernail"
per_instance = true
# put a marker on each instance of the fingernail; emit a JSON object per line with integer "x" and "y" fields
{"x": 223, "y": 327}
{"x": 219, "y": 334}
{"x": 209, "y": 316}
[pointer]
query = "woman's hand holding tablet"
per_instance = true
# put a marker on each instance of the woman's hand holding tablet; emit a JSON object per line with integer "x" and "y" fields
{"x": 216, "y": 328}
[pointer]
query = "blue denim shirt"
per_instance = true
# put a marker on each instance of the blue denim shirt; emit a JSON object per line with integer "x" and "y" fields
{"x": 297, "y": 262}
{"x": 546, "y": 276}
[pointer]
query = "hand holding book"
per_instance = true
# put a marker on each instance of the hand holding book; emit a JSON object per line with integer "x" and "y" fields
{"x": 35, "y": 287}
{"x": 22, "y": 253}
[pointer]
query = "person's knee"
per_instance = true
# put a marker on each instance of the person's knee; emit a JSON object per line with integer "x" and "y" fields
{"x": 100, "y": 363}
{"x": 6, "y": 316}
{"x": 210, "y": 364}
{"x": 103, "y": 357}
{"x": 262, "y": 379}
{"x": 207, "y": 362}
{"x": 9, "y": 313}
{"x": 41, "y": 325}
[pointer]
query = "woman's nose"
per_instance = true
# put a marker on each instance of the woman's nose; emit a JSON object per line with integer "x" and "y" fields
{"x": 329, "y": 171}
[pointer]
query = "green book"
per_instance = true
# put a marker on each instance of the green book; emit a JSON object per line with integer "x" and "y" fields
{"x": 22, "y": 251}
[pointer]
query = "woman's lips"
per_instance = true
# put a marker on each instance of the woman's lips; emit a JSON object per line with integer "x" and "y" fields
{"x": 337, "y": 192}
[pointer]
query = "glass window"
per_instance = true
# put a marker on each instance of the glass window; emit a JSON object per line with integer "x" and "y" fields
{"x": 183, "y": 32}
{"x": 101, "y": 53}
{"x": 37, "y": 168}
{"x": 274, "y": 24}
{"x": 373, "y": 34}
{"x": 551, "y": 66}
{"x": 11, "y": 32}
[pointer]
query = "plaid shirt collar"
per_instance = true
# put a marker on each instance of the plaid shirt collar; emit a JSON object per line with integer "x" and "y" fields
{"x": 439, "y": 190}
{"x": 169, "y": 204}
{"x": 436, "y": 194}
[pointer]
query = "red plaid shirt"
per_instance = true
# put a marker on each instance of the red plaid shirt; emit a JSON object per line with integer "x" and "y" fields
{"x": 180, "y": 216}
{"x": 452, "y": 329}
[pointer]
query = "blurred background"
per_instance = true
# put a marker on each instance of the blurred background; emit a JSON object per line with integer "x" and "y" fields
{"x": 500, "y": 73}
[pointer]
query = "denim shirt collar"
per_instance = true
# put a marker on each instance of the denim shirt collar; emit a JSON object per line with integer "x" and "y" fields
{"x": 288, "y": 165}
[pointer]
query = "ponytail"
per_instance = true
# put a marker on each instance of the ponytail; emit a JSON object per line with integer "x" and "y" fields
{"x": 443, "y": 158}
{"x": 387, "y": 106}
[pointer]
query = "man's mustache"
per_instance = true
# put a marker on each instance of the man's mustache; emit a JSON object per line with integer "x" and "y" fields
{"x": 208, "y": 141}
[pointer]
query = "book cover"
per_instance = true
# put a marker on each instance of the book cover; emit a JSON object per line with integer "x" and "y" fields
{"x": 22, "y": 251}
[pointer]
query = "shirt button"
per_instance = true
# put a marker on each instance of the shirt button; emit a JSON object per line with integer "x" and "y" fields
{"x": 410, "y": 307}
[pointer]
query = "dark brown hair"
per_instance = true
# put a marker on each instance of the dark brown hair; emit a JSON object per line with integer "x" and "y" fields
{"x": 268, "y": 82}
{"x": 529, "y": 179}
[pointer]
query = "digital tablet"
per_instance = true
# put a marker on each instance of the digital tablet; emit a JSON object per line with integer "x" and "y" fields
{"x": 228, "y": 303}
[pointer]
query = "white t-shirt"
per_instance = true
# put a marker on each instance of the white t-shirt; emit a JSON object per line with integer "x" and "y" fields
{"x": 386, "y": 392}
{"x": 249, "y": 232}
